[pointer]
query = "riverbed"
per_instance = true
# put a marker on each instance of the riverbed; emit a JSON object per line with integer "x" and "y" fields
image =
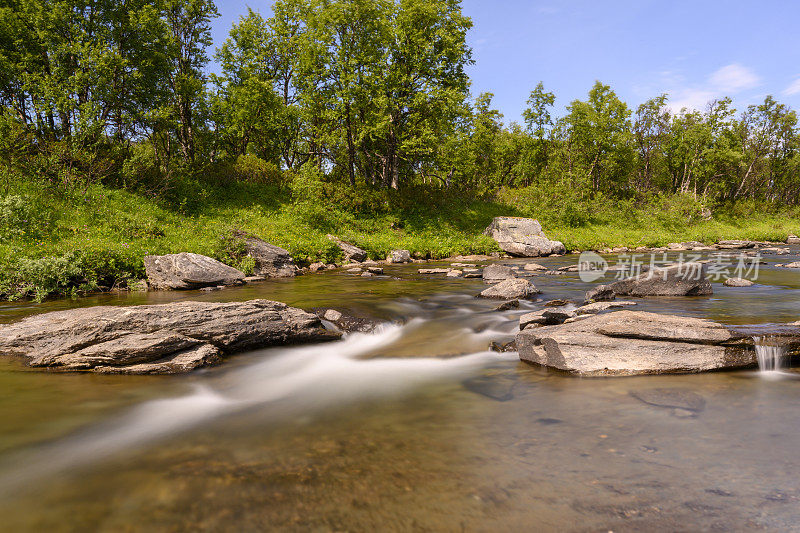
{"x": 414, "y": 427}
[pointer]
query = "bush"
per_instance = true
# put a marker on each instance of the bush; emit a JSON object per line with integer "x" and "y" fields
{"x": 19, "y": 219}
{"x": 44, "y": 276}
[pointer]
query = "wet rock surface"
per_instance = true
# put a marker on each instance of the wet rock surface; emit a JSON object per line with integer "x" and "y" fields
{"x": 155, "y": 339}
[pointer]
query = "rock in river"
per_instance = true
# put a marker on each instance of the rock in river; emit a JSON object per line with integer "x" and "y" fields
{"x": 498, "y": 273}
{"x": 511, "y": 289}
{"x": 738, "y": 282}
{"x": 189, "y": 271}
{"x": 522, "y": 237}
{"x": 156, "y": 339}
{"x": 635, "y": 342}
{"x": 683, "y": 279}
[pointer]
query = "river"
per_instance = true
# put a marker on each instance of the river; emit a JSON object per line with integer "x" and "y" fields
{"x": 414, "y": 427}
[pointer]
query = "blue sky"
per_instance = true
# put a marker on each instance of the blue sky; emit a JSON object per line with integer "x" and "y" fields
{"x": 694, "y": 50}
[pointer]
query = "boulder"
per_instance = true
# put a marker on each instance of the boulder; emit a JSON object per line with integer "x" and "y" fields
{"x": 189, "y": 271}
{"x": 498, "y": 273}
{"x": 156, "y": 339}
{"x": 738, "y": 282}
{"x": 270, "y": 261}
{"x": 635, "y": 342}
{"x": 511, "y": 289}
{"x": 601, "y": 293}
{"x": 792, "y": 239}
{"x": 795, "y": 264}
{"x": 317, "y": 267}
{"x": 399, "y": 256}
{"x": 522, "y": 237}
{"x": 684, "y": 279}
{"x": 351, "y": 253}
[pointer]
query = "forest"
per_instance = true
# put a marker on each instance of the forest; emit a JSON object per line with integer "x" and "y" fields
{"x": 350, "y": 116}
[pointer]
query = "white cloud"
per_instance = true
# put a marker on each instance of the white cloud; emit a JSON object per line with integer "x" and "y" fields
{"x": 733, "y": 78}
{"x": 793, "y": 89}
{"x": 729, "y": 80}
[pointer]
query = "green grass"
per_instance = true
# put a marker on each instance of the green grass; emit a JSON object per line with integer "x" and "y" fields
{"x": 57, "y": 242}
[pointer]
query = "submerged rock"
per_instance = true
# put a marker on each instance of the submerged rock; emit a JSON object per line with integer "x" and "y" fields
{"x": 671, "y": 398}
{"x": 511, "y": 289}
{"x": 522, "y": 237}
{"x": 156, "y": 339}
{"x": 684, "y": 279}
{"x": 636, "y": 342}
{"x": 270, "y": 261}
{"x": 351, "y": 252}
{"x": 189, "y": 271}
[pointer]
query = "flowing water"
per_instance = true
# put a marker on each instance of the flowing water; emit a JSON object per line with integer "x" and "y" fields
{"x": 414, "y": 427}
{"x": 770, "y": 353}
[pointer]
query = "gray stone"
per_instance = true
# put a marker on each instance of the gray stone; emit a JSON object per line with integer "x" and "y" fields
{"x": 455, "y": 274}
{"x": 631, "y": 342}
{"x": 601, "y": 293}
{"x": 146, "y": 339}
{"x": 597, "y": 307}
{"x": 511, "y": 289}
{"x": 735, "y": 245}
{"x": 535, "y": 267}
{"x": 522, "y": 237}
{"x": 738, "y": 282}
{"x": 498, "y": 273}
{"x": 254, "y": 279}
{"x": 684, "y": 279}
{"x": 270, "y": 261}
{"x": 399, "y": 256}
{"x": 506, "y": 306}
{"x": 433, "y": 270}
{"x": 189, "y": 271}
{"x": 351, "y": 252}
{"x": 317, "y": 267}
{"x": 792, "y": 239}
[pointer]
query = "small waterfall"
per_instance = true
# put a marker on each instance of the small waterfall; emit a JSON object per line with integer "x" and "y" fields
{"x": 771, "y": 355}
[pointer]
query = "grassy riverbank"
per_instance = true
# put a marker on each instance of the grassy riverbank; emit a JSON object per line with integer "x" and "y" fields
{"x": 58, "y": 240}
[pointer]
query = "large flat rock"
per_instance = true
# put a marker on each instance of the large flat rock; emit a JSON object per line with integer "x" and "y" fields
{"x": 636, "y": 342}
{"x": 169, "y": 338}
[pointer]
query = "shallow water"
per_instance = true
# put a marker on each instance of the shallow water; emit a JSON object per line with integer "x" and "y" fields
{"x": 416, "y": 427}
